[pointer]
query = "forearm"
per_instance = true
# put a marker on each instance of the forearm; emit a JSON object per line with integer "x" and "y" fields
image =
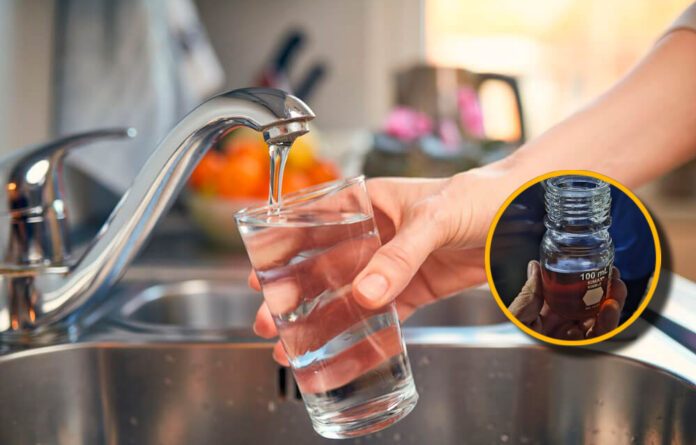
{"x": 641, "y": 128}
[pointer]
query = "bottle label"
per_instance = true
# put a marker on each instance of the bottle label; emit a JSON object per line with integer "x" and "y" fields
{"x": 575, "y": 295}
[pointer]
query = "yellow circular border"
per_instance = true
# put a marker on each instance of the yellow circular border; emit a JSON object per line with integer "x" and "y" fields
{"x": 648, "y": 296}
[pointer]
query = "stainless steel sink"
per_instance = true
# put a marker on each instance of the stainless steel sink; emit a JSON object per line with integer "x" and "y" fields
{"x": 215, "y": 394}
{"x": 230, "y": 306}
{"x": 172, "y": 360}
{"x": 473, "y": 307}
{"x": 194, "y": 304}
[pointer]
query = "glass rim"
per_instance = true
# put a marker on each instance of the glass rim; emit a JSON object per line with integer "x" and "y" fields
{"x": 303, "y": 196}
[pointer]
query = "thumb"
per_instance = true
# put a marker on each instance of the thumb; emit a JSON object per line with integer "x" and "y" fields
{"x": 394, "y": 264}
{"x": 529, "y": 301}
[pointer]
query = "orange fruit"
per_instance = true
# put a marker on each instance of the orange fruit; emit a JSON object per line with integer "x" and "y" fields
{"x": 302, "y": 152}
{"x": 323, "y": 171}
{"x": 240, "y": 177}
{"x": 261, "y": 188}
{"x": 243, "y": 139}
{"x": 207, "y": 170}
{"x": 247, "y": 149}
{"x": 294, "y": 180}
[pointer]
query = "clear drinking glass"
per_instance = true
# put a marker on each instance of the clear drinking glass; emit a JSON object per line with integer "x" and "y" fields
{"x": 349, "y": 362}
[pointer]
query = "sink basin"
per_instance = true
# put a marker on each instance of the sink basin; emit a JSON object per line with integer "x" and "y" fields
{"x": 194, "y": 304}
{"x": 234, "y": 393}
{"x": 216, "y": 305}
{"x": 473, "y": 307}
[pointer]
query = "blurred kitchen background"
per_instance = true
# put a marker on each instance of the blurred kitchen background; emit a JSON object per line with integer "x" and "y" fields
{"x": 400, "y": 87}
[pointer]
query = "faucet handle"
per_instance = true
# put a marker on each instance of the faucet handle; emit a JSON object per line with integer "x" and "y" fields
{"x": 33, "y": 192}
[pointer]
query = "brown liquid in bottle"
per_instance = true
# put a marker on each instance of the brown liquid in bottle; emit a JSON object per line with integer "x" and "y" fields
{"x": 575, "y": 295}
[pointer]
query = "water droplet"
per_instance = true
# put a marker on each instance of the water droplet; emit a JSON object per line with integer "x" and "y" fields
{"x": 169, "y": 358}
{"x": 133, "y": 420}
{"x": 504, "y": 437}
{"x": 271, "y": 407}
{"x": 397, "y": 437}
{"x": 424, "y": 361}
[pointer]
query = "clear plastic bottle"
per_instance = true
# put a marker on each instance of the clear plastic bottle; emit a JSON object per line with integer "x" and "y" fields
{"x": 577, "y": 252}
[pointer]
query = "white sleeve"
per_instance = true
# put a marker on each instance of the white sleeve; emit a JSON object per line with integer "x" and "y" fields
{"x": 687, "y": 20}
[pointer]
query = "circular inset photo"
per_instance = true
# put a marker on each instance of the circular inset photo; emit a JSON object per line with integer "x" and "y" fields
{"x": 573, "y": 257}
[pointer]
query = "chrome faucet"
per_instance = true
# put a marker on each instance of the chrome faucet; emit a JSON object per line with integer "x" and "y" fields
{"x": 42, "y": 290}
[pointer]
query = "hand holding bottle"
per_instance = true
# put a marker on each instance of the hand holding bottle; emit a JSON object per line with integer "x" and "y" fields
{"x": 530, "y": 309}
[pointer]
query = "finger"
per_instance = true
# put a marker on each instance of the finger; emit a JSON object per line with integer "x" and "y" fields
{"x": 568, "y": 330}
{"x": 441, "y": 278}
{"x": 279, "y": 354}
{"x": 254, "y": 281}
{"x": 528, "y": 303}
{"x": 588, "y": 324}
{"x": 609, "y": 313}
{"x": 330, "y": 270}
{"x": 574, "y": 332}
{"x": 607, "y": 319}
{"x": 393, "y": 265}
{"x": 338, "y": 266}
{"x": 264, "y": 326}
{"x": 615, "y": 274}
{"x": 404, "y": 310}
{"x": 282, "y": 296}
{"x": 617, "y": 288}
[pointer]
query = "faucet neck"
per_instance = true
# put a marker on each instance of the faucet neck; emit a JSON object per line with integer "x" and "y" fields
{"x": 56, "y": 296}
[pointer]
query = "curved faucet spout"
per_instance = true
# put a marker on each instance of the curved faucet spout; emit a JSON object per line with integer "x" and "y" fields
{"x": 281, "y": 117}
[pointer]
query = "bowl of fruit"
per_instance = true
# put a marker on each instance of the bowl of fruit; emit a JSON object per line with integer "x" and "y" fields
{"x": 235, "y": 174}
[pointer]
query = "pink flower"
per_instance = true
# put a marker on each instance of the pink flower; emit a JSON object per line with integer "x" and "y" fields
{"x": 470, "y": 112}
{"x": 407, "y": 124}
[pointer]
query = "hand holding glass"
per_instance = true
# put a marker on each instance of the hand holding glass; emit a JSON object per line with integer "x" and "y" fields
{"x": 349, "y": 362}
